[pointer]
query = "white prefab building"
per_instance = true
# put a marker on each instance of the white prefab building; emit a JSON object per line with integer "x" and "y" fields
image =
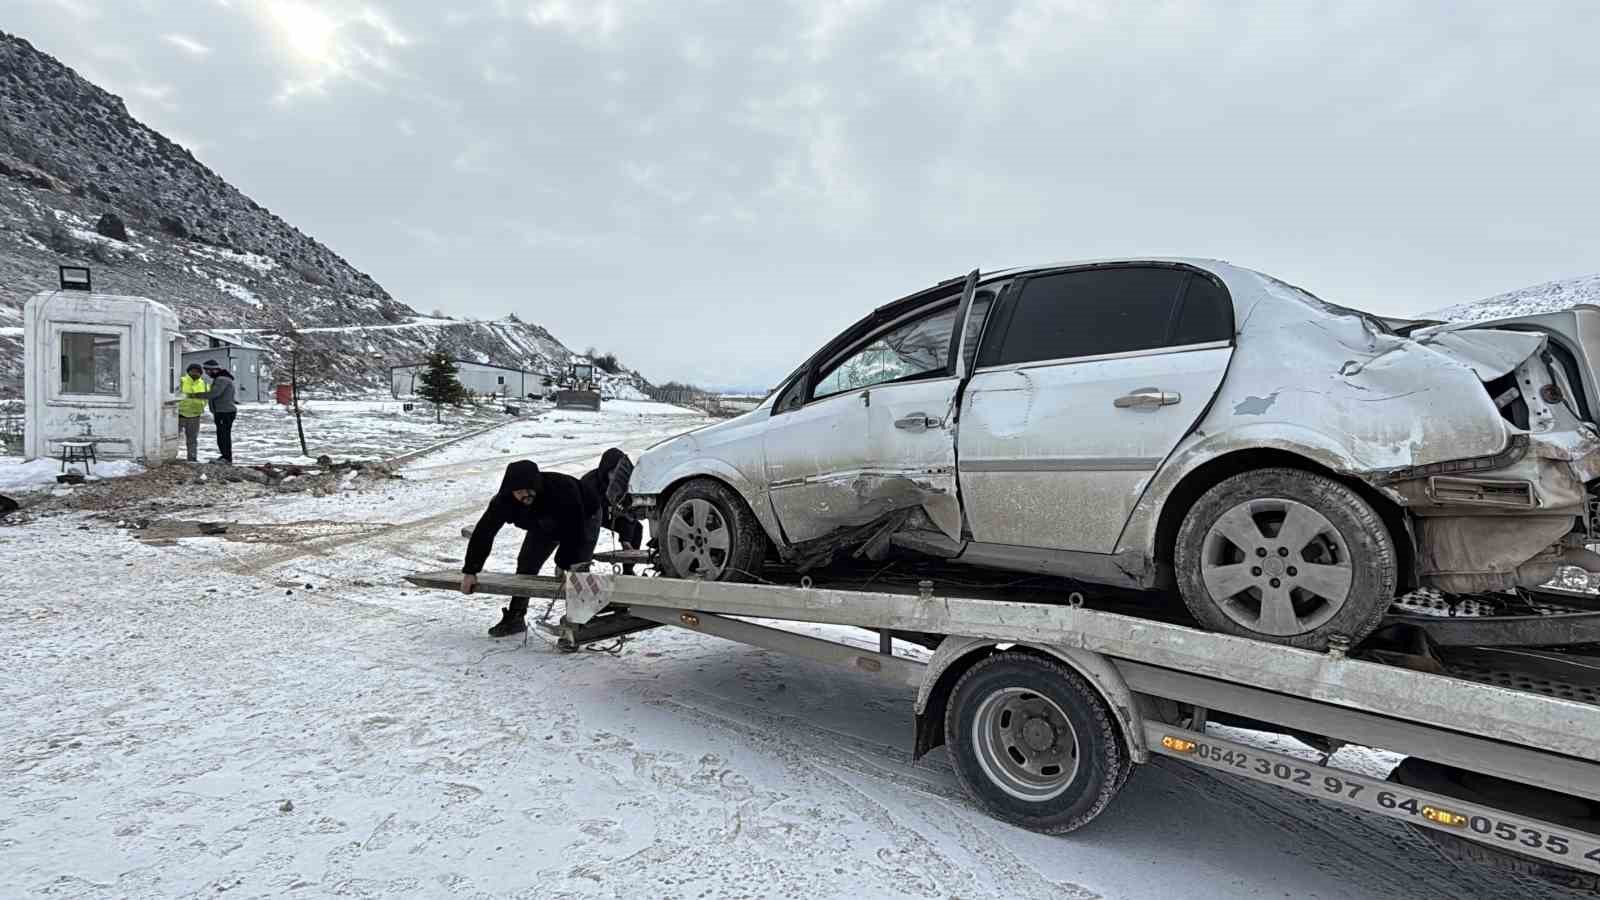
{"x": 100, "y": 368}
{"x": 246, "y": 361}
{"x": 480, "y": 378}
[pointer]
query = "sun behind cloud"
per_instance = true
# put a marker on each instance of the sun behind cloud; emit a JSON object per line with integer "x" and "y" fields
{"x": 305, "y": 31}
{"x": 325, "y": 41}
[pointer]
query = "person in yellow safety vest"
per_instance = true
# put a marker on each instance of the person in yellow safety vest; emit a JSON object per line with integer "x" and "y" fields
{"x": 191, "y": 408}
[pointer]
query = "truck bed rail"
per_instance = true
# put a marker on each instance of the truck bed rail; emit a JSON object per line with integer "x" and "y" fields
{"x": 1546, "y": 724}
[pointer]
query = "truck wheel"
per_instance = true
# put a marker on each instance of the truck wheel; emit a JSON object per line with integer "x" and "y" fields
{"x": 1033, "y": 743}
{"x": 707, "y": 532}
{"x": 1286, "y": 556}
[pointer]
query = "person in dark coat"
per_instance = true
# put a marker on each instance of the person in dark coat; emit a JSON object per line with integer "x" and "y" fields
{"x": 561, "y": 516}
{"x": 609, "y": 481}
{"x": 224, "y": 408}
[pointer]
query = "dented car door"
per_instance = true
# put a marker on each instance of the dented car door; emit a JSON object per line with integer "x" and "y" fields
{"x": 815, "y": 446}
{"x": 1086, "y": 380}
{"x": 873, "y": 433}
{"x": 911, "y": 423}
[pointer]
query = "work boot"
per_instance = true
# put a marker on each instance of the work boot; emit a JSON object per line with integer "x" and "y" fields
{"x": 512, "y": 618}
{"x": 511, "y": 622}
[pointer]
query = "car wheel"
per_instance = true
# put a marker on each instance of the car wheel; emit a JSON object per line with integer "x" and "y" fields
{"x": 1286, "y": 556}
{"x": 708, "y": 532}
{"x": 1034, "y": 743}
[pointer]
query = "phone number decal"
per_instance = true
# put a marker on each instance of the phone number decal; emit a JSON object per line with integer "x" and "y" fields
{"x": 1514, "y": 835}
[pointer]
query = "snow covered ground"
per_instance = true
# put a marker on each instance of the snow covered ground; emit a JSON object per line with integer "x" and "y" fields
{"x": 346, "y": 429}
{"x": 18, "y": 475}
{"x": 642, "y": 407}
{"x": 275, "y": 711}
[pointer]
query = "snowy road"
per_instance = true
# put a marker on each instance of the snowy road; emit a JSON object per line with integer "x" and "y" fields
{"x": 284, "y": 715}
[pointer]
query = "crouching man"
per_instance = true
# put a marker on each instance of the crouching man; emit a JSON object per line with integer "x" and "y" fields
{"x": 561, "y": 516}
{"x": 609, "y": 481}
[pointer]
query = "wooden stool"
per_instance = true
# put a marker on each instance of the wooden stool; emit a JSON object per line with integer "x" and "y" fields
{"x": 73, "y": 452}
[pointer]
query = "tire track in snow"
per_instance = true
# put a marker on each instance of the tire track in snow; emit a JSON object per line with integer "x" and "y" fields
{"x": 1332, "y": 838}
{"x": 849, "y": 762}
{"x": 396, "y": 536}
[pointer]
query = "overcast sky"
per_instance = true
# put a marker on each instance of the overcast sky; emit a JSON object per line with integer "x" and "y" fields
{"x": 712, "y": 189}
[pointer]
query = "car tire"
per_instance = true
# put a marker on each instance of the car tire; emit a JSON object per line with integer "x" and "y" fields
{"x": 1008, "y": 725}
{"x": 707, "y": 532}
{"x": 1266, "y": 554}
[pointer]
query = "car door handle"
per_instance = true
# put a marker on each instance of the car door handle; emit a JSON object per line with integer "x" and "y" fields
{"x": 917, "y": 422}
{"x": 1148, "y": 398}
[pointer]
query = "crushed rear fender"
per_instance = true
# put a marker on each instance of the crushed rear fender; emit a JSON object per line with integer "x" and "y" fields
{"x": 1404, "y": 414}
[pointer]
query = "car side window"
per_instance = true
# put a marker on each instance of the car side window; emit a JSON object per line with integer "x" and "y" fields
{"x": 908, "y": 350}
{"x": 793, "y": 395}
{"x": 1206, "y": 314}
{"x": 1086, "y": 312}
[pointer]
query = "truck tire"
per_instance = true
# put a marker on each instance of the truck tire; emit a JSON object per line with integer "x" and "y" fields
{"x": 1575, "y": 813}
{"x": 1287, "y": 556}
{"x": 707, "y": 532}
{"x": 1034, "y": 743}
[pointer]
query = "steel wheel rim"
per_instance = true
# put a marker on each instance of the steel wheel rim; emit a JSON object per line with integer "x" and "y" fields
{"x": 1025, "y": 744}
{"x": 698, "y": 540}
{"x": 1277, "y": 566}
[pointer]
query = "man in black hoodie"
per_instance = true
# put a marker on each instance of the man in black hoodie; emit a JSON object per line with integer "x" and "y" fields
{"x": 609, "y": 481}
{"x": 561, "y": 516}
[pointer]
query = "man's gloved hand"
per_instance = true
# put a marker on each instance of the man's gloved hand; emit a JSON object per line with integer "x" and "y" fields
{"x": 469, "y": 583}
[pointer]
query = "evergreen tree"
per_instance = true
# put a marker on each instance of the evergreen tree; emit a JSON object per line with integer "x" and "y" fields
{"x": 438, "y": 383}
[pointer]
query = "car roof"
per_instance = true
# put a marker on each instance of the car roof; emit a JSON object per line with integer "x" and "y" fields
{"x": 1210, "y": 265}
{"x": 1246, "y": 287}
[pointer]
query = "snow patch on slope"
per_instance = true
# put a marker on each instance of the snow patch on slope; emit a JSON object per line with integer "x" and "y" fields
{"x": 1552, "y": 296}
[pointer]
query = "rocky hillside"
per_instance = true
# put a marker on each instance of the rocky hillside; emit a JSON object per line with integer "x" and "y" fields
{"x": 1551, "y": 296}
{"x": 82, "y": 182}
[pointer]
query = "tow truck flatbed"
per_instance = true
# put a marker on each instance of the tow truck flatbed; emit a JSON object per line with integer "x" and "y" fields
{"x": 1156, "y": 683}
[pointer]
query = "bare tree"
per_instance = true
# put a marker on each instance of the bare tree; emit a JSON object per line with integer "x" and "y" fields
{"x": 308, "y": 370}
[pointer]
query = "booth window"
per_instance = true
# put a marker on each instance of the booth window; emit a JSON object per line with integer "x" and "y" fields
{"x": 91, "y": 363}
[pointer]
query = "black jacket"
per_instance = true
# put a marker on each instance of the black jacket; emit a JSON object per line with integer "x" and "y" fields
{"x": 614, "y": 467}
{"x": 561, "y": 505}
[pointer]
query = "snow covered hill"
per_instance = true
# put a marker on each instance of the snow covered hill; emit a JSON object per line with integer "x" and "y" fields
{"x": 1551, "y": 296}
{"x": 359, "y": 356}
{"x": 84, "y": 183}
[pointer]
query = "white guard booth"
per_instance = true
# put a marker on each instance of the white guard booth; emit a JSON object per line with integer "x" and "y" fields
{"x": 101, "y": 368}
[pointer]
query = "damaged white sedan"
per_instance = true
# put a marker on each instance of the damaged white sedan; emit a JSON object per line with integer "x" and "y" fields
{"x": 1288, "y": 465}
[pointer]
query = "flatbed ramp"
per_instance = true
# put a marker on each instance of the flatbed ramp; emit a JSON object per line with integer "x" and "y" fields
{"x": 995, "y": 670}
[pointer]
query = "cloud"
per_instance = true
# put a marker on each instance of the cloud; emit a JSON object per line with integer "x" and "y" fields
{"x": 156, "y": 93}
{"x": 188, "y": 45}
{"x": 588, "y": 18}
{"x": 715, "y": 188}
{"x": 480, "y": 158}
{"x": 324, "y": 43}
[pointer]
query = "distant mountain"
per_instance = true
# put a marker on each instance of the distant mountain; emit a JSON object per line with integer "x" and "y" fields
{"x": 82, "y": 182}
{"x": 1552, "y": 296}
